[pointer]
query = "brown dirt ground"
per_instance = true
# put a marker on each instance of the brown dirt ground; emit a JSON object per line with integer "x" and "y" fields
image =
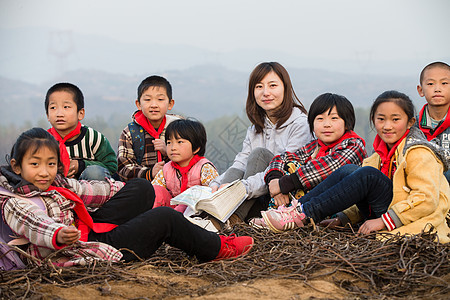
{"x": 322, "y": 288}
{"x": 152, "y": 283}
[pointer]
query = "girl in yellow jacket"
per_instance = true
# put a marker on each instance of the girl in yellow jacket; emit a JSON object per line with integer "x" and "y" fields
{"x": 400, "y": 188}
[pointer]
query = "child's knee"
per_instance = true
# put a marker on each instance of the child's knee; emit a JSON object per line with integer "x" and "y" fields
{"x": 95, "y": 172}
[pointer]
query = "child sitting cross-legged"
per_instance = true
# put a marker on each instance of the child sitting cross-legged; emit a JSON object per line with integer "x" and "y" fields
{"x": 290, "y": 175}
{"x": 93, "y": 219}
{"x": 186, "y": 144}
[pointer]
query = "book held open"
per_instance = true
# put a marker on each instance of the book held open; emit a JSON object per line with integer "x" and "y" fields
{"x": 220, "y": 204}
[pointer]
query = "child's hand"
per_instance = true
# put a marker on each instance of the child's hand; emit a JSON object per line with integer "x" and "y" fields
{"x": 156, "y": 168}
{"x": 274, "y": 187}
{"x": 68, "y": 235}
{"x": 281, "y": 199}
{"x": 73, "y": 168}
{"x": 331, "y": 223}
{"x": 160, "y": 146}
{"x": 371, "y": 226}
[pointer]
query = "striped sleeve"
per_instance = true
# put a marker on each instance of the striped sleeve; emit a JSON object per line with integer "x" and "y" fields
{"x": 94, "y": 149}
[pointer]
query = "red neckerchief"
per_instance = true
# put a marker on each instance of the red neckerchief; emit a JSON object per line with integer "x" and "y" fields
{"x": 388, "y": 165}
{"x": 184, "y": 171}
{"x": 84, "y": 222}
{"x": 325, "y": 148}
{"x": 438, "y": 130}
{"x": 142, "y": 120}
{"x": 65, "y": 158}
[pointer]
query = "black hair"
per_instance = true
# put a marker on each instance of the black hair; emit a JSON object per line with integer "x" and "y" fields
{"x": 154, "y": 80}
{"x": 326, "y": 102}
{"x": 436, "y": 64}
{"x": 191, "y": 130}
{"x": 66, "y": 87}
{"x": 33, "y": 140}
{"x": 398, "y": 98}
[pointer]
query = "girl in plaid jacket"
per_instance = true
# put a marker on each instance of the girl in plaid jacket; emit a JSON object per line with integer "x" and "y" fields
{"x": 86, "y": 220}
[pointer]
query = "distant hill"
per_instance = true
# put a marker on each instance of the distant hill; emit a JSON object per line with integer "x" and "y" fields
{"x": 205, "y": 92}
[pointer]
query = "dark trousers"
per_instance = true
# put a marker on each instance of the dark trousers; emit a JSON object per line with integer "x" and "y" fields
{"x": 143, "y": 229}
{"x": 366, "y": 187}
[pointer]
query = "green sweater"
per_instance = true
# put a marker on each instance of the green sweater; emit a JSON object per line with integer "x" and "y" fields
{"x": 92, "y": 148}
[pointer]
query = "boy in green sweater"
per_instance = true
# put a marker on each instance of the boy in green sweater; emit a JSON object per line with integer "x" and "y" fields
{"x": 85, "y": 153}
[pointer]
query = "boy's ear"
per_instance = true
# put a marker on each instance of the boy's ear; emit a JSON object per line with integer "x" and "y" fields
{"x": 138, "y": 104}
{"x": 81, "y": 114}
{"x": 420, "y": 90}
{"x": 15, "y": 167}
{"x": 171, "y": 104}
{"x": 195, "y": 152}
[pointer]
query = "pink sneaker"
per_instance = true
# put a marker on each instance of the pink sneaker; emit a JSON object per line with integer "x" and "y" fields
{"x": 258, "y": 223}
{"x": 283, "y": 218}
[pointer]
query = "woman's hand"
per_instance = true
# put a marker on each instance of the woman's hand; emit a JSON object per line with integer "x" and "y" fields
{"x": 215, "y": 187}
{"x": 68, "y": 235}
{"x": 371, "y": 226}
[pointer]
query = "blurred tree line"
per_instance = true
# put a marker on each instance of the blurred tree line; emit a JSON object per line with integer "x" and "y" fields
{"x": 225, "y": 134}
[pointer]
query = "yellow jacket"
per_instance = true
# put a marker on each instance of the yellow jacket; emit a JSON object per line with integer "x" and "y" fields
{"x": 421, "y": 195}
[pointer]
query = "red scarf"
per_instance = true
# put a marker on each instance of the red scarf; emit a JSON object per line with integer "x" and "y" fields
{"x": 184, "y": 171}
{"x": 325, "y": 148}
{"x": 142, "y": 120}
{"x": 388, "y": 159}
{"x": 438, "y": 130}
{"x": 84, "y": 222}
{"x": 65, "y": 158}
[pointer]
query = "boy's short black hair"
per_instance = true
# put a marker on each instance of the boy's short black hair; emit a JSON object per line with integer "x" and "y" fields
{"x": 191, "y": 130}
{"x": 154, "y": 80}
{"x": 66, "y": 87}
{"x": 435, "y": 64}
{"x": 326, "y": 102}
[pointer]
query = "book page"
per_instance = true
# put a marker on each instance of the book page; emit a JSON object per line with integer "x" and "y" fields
{"x": 192, "y": 196}
{"x": 225, "y": 201}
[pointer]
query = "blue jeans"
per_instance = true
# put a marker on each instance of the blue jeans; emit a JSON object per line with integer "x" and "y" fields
{"x": 95, "y": 172}
{"x": 366, "y": 187}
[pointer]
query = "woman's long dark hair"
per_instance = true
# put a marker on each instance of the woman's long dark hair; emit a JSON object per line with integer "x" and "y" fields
{"x": 255, "y": 113}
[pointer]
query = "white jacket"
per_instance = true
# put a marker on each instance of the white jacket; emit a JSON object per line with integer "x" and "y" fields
{"x": 292, "y": 135}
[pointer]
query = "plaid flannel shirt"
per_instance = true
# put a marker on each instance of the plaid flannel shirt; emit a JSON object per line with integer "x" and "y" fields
{"x": 314, "y": 170}
{"x": 40, "y": 228}
{"x": 128, "y": 166}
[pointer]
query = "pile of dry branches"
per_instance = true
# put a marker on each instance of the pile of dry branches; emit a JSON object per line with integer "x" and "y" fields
{"x": 398, "y": 266}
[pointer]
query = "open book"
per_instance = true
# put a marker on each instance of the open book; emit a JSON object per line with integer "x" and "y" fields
{"x": 220, "y": 204}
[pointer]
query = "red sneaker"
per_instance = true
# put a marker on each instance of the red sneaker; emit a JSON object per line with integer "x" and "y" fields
{"x": 233, "y": 246}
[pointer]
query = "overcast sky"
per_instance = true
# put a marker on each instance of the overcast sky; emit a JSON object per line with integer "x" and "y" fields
{"x": 332, "y": 29}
